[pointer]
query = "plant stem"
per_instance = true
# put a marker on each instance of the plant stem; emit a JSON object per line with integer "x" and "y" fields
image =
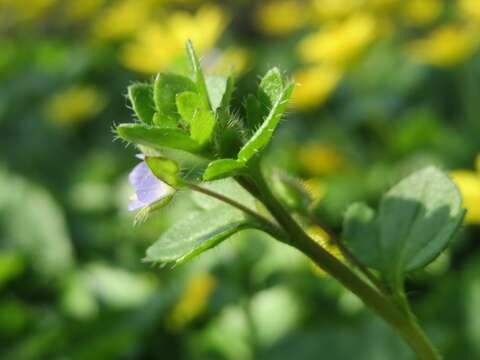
{"x": 378, "y": 302}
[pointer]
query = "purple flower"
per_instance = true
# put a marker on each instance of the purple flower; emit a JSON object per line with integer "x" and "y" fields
{"x": 148, "y": 189}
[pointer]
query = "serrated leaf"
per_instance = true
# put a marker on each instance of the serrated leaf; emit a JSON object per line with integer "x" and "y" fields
{"x": 196, "y": 233}
{"x": 187, "y": 103}
{"x": 222, "y": 168}
{"x": 165, "y": 90}
{"x": 141, "y": 97}
{"x": 263, "y": 135}
{"x": 270, "y": 88}
{"x": 157, "y": 137}
{"x": 417, "y": 219}
{"x": 226, "y": 187}
{"x": 165, "y": 169}
{"x": 199, "y": 79}
{"x": 203, "y": 126}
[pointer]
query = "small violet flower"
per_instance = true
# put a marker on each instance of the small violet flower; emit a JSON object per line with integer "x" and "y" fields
{"x": 148, "y": 189}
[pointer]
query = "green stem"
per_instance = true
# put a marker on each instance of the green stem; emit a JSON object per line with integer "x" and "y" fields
{"x": 379, "y": 303}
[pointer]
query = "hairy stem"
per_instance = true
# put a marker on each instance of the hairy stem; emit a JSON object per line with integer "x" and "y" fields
{"x": 375, "y": 300}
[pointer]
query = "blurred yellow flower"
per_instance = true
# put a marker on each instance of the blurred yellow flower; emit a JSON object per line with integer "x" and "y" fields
{"x": 469, "y": 184}
{"x": 334, "y": 9}
{"x": 383, "y": 5}
{"x": 447, "y": 45}
{"x": 122, "y": 19}
{"x": 75, "y": 104}
{"x": 421, "y": 12}
{"x": 470, "y": 9}
{"x": 320, "y": 159}
{"x": 158, "y": 45}
{"x": 321, "y": 237}
{"x": 193, "y": 301}
{"x": 281, "y": 17}
{"x": 314, "y": 85}
{"x": 340, "y": 42}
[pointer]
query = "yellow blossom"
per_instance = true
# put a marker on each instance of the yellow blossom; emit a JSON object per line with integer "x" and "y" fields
{"x": 421, "y": 12}
{"x": 158, "y": 45}
{"x": 470, "y": 9}
{"x": 75, "y": 104}
{"x": 280, "y": 17}
{"x": 383, "y": 5}
{"x": 322, "y": 238}
{"x": 314, "y": 85}
{"x": 122, "y": 19}
{"x": 469, "y": 184}
{"x": 334, "y": 9}
{"x": 193, "y": 301}
{"x": 320, "y": 159}
{"x": 340, "y": 42}
{"x": 447, "y": 45}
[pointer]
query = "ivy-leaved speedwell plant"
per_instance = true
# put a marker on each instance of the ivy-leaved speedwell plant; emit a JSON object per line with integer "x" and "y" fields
{"x": 415, "y": 222}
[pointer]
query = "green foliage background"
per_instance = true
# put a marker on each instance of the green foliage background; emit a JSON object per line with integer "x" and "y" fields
{"x": 72, "y": 281}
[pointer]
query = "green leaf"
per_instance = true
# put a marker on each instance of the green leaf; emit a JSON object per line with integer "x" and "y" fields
{"x": 264, "y": 133}
{"x": 219, "y": 90}
{"x": 222, "y": 168}
{"x": 360, "y": 232}
{"x": 270, "y": 88}
{"x": 196, "y": 233}
{"x": 141, "y": 97}
{"x": 417, "y": 219}
{"x": 254, "y": 112}
{"x": 165, "y": 169}
{"x": 187, "y": 103}
{"x": 226, "y": 187}
{"x": 157, "y": 137}
{"x": 203, "y": 126}
{"x": 199, "y": 79}
{"x": 165, "y": 91}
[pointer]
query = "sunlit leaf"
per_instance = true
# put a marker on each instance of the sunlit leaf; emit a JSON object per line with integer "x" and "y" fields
{"x": 203, "y": 126}
{"x": 222, "y": 168}
{"x": 141, "y": 97}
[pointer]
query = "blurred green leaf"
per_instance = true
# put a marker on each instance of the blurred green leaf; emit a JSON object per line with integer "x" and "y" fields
{"x": 417, "y": 219}
{"x": 157, "y": 137}
{"x": 203, "y": 126}
{"x": 263, "y": 135}
{"x": 196, "y": 233}
{"x": 223, "y": 168}
{"x": 11, "y": 265}
{"x": 226, "y": 187}
{"x": 187, "y": 103}
{"x": 141, "y": 97}
{"x": 166, "y": 88}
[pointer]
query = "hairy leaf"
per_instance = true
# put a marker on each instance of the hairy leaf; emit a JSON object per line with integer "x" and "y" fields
{"x": 222, "y": 168}
{"x": 141, "y": 97}
{"x": 196, "y": 233}
{"x": 165, "y": 90}
{"x": 263, "y": 135}
{"x": 164, "y": 169}
{"x": 187, "y": 103}
{"x": 199, "y": 79}
{"x": 203, "y": 126}
{"x": 157, "y": 137}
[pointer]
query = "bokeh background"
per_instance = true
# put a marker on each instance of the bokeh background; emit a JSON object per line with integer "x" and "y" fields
{"x": 385, "y": 87}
